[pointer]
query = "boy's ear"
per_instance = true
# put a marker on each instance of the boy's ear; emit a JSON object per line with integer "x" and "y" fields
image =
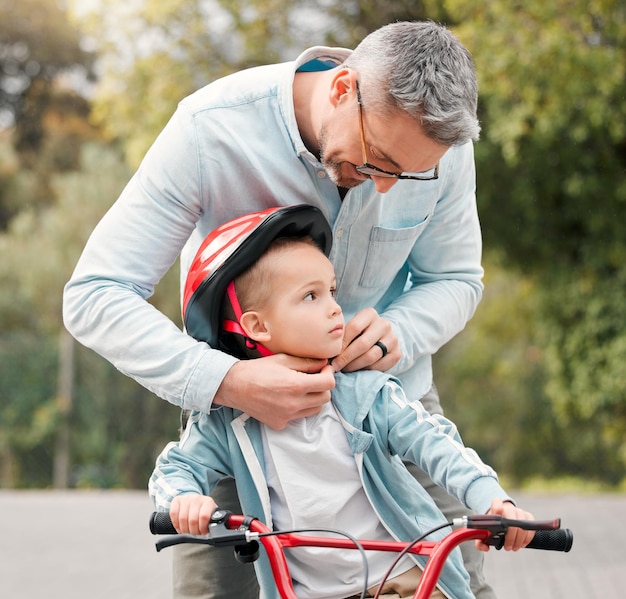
{"x": 254, "y": 327}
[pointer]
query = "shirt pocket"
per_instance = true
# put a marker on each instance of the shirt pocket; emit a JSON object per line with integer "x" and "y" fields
{"x": 387, "y": 252}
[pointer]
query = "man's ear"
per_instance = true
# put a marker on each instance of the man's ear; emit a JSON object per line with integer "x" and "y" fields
{"x": 254, "y": 327}
{"x": 343, "y": 82}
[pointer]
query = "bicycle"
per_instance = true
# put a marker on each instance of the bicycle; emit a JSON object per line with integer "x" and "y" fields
{"x": 244, "y": 533}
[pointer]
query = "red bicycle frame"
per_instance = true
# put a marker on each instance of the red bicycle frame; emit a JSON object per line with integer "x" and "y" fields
{"x": 244, "y": 533}
{"x": 437, "y": 553}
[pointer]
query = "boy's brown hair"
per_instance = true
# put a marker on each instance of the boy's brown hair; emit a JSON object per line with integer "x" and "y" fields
{"x": 254, "y": 286}
{"x": 253, "y": 289}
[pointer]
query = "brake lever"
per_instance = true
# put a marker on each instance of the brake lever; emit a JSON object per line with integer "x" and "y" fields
{"x": 498, "y": 525}
{"x": 220, "y": 535}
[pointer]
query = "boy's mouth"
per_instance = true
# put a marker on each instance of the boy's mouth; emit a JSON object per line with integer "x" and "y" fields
{"x": 338, "y": 330}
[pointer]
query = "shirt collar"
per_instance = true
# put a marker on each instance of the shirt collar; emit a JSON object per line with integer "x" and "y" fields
{"x": 325, "y": 58}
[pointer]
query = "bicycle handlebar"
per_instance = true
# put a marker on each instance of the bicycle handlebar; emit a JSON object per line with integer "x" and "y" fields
{"x": 548, "y": 536}
{"x": 552, "y": 540}
{"x": 244, "y": 534}
{"x": 161, "y": 524}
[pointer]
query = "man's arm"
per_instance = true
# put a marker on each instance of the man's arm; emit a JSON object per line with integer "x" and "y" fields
{"x": 445, "y": 284}
{"x": 105, "y": 302}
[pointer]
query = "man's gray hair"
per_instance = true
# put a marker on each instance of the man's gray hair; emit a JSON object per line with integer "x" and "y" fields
{"x": 420, "y": 67}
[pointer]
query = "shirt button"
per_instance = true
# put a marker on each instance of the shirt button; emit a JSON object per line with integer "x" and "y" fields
{"x": 338, "y": 233}
{"x": 321, "y": 174}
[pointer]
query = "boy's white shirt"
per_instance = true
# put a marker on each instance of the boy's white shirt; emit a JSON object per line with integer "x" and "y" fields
{"x": 314, "y": 483}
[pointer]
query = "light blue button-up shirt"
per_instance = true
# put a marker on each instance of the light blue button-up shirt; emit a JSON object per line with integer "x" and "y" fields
{"x": 234, "y": 147}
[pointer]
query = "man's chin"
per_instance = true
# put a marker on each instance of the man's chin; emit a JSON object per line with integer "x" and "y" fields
{"x": 349, "y": 183}
{"x": 338, "y": 178}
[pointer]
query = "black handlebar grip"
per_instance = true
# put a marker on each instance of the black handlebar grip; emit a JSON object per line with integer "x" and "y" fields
{"x": 160, "y": 524}
{"x": 552, "y": 540}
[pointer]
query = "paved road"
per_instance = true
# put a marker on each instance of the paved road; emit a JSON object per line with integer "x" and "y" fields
{"x": 96, "y": 545}
{"x": 595, "y": 568}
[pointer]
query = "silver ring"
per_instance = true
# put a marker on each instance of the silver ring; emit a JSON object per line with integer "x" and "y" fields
{"x": 383, "y": 348}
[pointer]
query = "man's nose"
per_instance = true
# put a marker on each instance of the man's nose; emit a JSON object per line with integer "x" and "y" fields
{"x": 383, "y": 184}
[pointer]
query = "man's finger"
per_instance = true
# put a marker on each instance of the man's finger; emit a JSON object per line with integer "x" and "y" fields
{"x": 306, "y": 365}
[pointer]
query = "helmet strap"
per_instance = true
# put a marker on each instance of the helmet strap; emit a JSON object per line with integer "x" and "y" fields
{"x": 234, "y": 326}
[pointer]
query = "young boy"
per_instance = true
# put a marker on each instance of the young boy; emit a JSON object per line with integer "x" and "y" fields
{"x": 340, "y": 469}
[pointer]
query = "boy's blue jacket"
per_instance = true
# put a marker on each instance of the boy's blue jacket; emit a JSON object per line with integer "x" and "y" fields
{"x": 383, "y": 429}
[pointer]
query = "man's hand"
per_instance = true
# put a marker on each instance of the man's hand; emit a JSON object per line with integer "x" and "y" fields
{"x": 191, "y": 513}
{"x": 360, "y": 351}
{"x": 277, "y": 389}
{"x": 515, "y": 538}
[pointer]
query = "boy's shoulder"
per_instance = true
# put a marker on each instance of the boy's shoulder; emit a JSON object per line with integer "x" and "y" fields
{"x": 362, "y": 378}
{"x": 365, "y": 378}
{"x": 356, "y": 392}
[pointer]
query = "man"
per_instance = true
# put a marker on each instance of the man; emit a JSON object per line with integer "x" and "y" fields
{"x": 380, "y": 141}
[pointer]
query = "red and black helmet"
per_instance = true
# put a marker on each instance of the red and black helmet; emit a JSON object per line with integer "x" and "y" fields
{"x": 227, "y": 252}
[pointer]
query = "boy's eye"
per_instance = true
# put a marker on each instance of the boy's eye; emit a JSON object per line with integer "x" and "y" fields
{"x": 309, "y": 297}
{"x": 333, "y": 292}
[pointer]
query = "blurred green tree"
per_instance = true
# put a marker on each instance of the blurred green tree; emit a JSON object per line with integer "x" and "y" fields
{"x": 43, "y": 66}
{"x": 157, "y": 52}
{"x": 536, "y": 381}
{"x": 41, "y": 248}
{"x": 37, "y": 45}
{"x": 551, "y": 169}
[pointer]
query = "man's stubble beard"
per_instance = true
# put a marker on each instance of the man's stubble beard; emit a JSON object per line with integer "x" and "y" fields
{"x": 334, "y": 167}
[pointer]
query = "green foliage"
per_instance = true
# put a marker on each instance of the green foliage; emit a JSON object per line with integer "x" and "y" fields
{"x": 551, "y": 187}
{"x": 586, "y": 354}
{"x": 553, "y": 82}
{"x": 116, "y": 426}
{"x": 506, "y": 381}
{"x": 355, "y": 19}
{"x": 42, "y": 62}
{"x": 585, "y": 361}
{"x": 37, "y": 45}
{"x": 536, "y": 382}
{"x": 42, "y": 246}
{"x": 490, "y": 379}
{"x": 157, "y": 52}
{"x": 28, "y": 413}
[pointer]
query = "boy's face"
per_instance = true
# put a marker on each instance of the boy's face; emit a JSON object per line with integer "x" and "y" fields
{"x": 302, "y": 318}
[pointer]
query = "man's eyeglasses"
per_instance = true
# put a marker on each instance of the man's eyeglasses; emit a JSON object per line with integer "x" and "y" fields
{"x": 373, "y": 171}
